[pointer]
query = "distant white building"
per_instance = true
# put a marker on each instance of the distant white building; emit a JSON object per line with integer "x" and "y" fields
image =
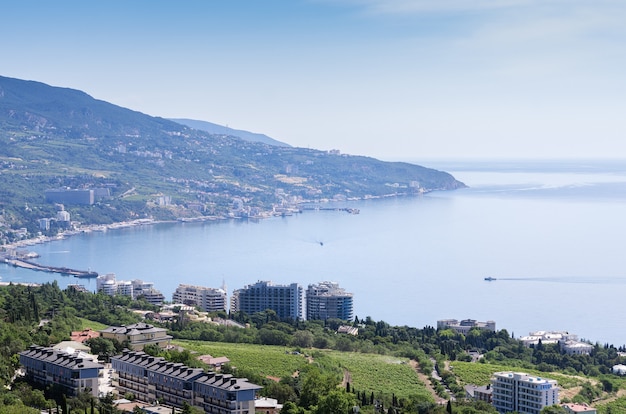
{"x": 619, "y": 369}
{"x": 465, "y": 325}
{"x": 576, "y": 347}
{"x": 568, "y": 342}
{"x": 547, "y": 337}
{"x": 521, "y": 392}
{"x": 63, "y": 216}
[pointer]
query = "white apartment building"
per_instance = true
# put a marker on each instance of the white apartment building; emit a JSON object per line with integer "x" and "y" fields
{"x": 206, "y": 298}
{"x": 109, "y": 285}
{"x": 521, "y": 392}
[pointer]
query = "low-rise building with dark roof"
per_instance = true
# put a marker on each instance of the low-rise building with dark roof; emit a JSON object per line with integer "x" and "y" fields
{"x": 479, "y": 393}
{"x": 48, "y": 366}
{"x": 138, "y": 335}
{"x": 153, "y": 378}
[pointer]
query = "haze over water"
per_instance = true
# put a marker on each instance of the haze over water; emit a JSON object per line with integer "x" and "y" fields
{"x": 551, "y": 233}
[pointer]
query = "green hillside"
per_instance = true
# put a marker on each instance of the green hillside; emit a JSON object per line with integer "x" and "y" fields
{"x": 54, "y": 137}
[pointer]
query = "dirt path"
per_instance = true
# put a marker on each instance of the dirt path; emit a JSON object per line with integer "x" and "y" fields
{"x": 424, "y": 379}
{"x": 347, "y": 378}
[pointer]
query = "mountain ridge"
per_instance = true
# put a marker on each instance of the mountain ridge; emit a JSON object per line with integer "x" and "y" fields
{"x": 224, "y": 130}
{"x": 152, "y": 167}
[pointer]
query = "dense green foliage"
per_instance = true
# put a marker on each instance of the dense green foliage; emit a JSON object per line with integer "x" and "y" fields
{"x": 305, "y": 365}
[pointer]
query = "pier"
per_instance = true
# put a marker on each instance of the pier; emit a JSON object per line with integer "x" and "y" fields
{"x": 347, "y": 210}
{"x": 26, "y": 264}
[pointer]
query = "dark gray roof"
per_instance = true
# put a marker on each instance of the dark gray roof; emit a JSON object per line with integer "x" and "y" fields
{"x": 60, "y": 358}
{"x": 227, "y": 382}
{"x": 134, "y": 329}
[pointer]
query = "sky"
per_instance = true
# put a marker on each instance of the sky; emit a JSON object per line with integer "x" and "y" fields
{"x": 391, "y": 79}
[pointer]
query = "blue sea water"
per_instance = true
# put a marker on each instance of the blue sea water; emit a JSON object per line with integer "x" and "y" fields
{"x": 552, "y": 233}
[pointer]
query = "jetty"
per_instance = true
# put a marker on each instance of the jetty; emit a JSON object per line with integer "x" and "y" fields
{"x": 26, "y": 264}
{"x": 347, "y": 210}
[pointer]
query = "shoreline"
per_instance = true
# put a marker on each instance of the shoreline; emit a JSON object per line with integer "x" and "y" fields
{"x": 276, "y": 212}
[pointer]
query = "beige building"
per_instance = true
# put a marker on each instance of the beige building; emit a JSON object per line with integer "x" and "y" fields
{"x": 138, "y": 335}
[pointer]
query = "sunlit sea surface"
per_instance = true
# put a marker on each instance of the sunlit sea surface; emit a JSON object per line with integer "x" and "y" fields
{"x": 552, "y": 233}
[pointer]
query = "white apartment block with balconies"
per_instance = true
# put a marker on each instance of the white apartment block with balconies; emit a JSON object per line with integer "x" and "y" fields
{"x": 523, "y": 393}
{"x": 206, "y": 298}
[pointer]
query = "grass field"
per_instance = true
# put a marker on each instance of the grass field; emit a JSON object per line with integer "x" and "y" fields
{"x": 380, "y": 374}
{"x": 268, "y": 361}
{"x": 365, "y": 372}
{"x": 96, "y": 326}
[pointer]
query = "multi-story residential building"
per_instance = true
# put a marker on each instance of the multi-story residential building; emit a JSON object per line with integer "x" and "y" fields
{"x": 285, "y": 300}
{"x": 206, "y": 298}
{"x": 326, "y": 300}
{"x": 138, "y": 335}
{"x": 109, "y": 285}
{"x": 465, "y": 325}
{"x": 70, "y": 196}
{"x": 152, "y": 378}
{"x": 147, "y": 291}
{"x": 73, "y": 372}
{"x": 523, "y": 393}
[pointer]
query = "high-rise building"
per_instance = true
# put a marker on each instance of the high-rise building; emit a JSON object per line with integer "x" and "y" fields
{"x": 206, "y": 298}
{"x": 285, "y": 300}
{"x": 523, "y": 393}
{"x": 326, "y": 300}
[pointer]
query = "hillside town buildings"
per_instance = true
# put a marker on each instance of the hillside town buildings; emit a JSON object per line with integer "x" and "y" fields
{"x": 326, "y": 300}
{"x": 523, "y": 393}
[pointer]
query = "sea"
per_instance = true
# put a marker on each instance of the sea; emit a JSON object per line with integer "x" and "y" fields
{"x": 552, "y": 233}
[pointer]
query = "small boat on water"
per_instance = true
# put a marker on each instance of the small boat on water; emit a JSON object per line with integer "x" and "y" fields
{"x": 490, "y": 279}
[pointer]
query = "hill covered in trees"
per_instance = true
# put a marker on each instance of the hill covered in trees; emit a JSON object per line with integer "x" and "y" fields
{"x": 53, "y": 137}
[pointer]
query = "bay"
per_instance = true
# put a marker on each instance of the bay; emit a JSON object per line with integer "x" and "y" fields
{"x": 552, "y": 233}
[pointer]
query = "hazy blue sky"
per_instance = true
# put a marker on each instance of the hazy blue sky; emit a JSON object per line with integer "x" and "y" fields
{"x": 386, "y": 78}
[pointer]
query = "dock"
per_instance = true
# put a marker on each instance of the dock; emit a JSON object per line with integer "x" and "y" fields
{"x": 347, "y": 210}
{"x": 26, "y": 264}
